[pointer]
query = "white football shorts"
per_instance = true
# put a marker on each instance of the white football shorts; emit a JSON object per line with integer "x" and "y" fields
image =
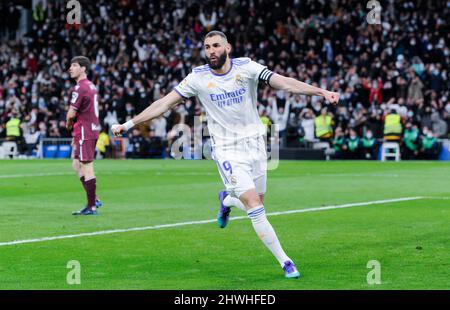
{"x": 243, "y": 165}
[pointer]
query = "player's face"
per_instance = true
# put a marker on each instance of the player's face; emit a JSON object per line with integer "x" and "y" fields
{"x": 75, "y": 70}
{"x": 216, "y": 51}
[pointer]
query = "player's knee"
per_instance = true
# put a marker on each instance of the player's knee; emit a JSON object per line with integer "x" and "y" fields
{"x": 251, "y": 201}
{"x": 76, "y": 166}
{"x": 88, "y": 170}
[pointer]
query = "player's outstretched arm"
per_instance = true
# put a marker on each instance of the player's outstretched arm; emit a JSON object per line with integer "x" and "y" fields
{"x": 292, "y": 85}
{"x": 156, "y": 109}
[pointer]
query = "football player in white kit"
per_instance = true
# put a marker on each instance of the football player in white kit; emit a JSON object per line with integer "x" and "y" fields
{"x": 227, "y": 88}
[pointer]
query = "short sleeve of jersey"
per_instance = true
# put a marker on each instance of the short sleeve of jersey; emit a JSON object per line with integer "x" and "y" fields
{"x": 76, "y": 98}
{"x": 259, "y": 72}
{"x": 186, "y": 88}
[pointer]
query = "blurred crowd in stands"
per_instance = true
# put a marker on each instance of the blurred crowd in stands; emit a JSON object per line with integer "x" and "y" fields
{"x": 393, "y": 77}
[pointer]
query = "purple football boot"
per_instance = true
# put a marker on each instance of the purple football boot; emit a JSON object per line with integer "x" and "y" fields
{"x": 290, "y": 271}
{"x": 224, "y": 212}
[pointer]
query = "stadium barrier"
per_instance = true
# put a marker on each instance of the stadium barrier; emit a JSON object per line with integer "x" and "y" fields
{"x": 299, "y": 153}
{"x": 54, "y": 148}
{"x": 444, "y": 153}
{"x": 61, "y": 148}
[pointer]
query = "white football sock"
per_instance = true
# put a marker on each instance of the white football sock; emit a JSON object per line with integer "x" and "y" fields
{"x": 234, "y": 202}
{"x": 266, "y": 233}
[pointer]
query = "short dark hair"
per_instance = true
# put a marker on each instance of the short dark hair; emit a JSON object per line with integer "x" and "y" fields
{"x": 216, "y": 33}
{"x": 82, "y": 61}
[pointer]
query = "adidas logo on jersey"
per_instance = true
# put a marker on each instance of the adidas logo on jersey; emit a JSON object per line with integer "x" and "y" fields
{"x": 95, "y": 127}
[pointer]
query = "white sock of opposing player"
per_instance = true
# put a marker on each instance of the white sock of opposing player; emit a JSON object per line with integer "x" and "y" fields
{"x": 234, "y": 202}
{"x": 266, "y": 233}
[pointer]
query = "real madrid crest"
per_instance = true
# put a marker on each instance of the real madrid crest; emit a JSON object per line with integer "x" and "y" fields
{"x": 239, "y": 80}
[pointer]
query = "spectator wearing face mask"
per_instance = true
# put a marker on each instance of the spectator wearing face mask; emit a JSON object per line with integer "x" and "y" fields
{"x": 280, "y": 116}
{"x": 353, "y": 145}
{"x": 410, "y": 146}
{"x": 415, "y": 92}
{"x": 339, "y": 145}
{"x": 375, "y": 89}
{"x": 31, "y": 137}
{"x": 137, "y": 145}
{"x": 429, "y": 146}
{"x": 439, "y": 126}
{"x": 307, "y": 123}
{"x": 369, "y": 145}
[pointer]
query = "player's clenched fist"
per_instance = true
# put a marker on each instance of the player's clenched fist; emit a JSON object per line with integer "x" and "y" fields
{"x": 332, "y": 97}
{"x": 117, "y": 130}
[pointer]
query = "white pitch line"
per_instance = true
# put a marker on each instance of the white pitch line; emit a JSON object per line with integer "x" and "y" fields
{"x": 114, "y": 231}
{"x": 50, "y": 174}
{"x": 358, "y": 175}
{"x": 436, "y": 198}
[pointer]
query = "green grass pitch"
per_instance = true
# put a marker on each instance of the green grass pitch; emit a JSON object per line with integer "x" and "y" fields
{"x": 410, "y": 239}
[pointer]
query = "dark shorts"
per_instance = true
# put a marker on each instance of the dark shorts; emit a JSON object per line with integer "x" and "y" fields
{"x": 84, "y": 150}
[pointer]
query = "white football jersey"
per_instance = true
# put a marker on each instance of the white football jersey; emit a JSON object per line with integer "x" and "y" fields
{"x": 230, "y": 99}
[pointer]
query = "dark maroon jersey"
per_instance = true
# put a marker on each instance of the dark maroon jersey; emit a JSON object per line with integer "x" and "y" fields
{"x": 84, "y": 99}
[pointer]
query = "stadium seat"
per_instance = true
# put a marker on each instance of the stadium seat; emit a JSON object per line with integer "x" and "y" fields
{"x": 324, "y": 146}
{"x": 9, "y": 149}
{"x": 390, "y": 150}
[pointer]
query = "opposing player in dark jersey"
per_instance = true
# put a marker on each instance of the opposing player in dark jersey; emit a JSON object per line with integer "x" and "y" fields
{"x": 82, "y": 120}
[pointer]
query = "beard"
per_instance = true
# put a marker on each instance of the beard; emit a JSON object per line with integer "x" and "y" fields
{"x": 219, "y": 62}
